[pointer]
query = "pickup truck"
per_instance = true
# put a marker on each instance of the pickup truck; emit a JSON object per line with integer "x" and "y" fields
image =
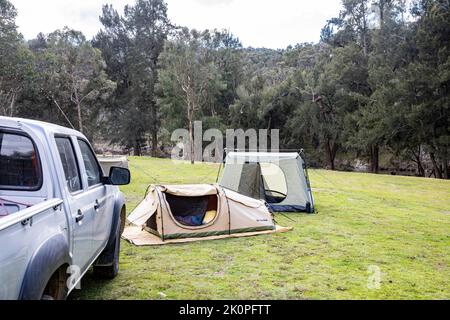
{"x": 59, "y": 213}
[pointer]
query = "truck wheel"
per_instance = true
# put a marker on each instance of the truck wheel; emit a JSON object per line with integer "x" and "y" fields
{"x": 123, "y": 219}
{"x": 56, "y": 288}
{"x": 111, "y": 271}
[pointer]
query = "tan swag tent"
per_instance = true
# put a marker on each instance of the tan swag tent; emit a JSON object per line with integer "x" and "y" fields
{"x": 106, "y": 162}
{"x": 182, "y": 213}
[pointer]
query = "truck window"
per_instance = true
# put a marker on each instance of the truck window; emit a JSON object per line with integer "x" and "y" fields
{"x": 69, "y": 163}
{"x": 90, "y": 163}
{"x": 19, "y": 163}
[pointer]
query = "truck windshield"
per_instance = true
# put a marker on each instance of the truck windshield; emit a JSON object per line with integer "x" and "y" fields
{"x": 19, "y": 163}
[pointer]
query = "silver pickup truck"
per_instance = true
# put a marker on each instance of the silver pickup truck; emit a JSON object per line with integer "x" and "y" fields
{"x": 59, "y": 213}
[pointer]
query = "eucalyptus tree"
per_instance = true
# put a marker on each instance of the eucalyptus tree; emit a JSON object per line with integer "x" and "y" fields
{"x": 15, "y": 60}
{"x": 70, "y": 73}
{"x": 131, "y": 45}
{"x": 351, "y": 36}
{"x": 189, "y": 78}
{"x": 429, "y": 72}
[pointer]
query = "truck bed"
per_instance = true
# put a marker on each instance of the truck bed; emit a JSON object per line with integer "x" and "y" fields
{"x": 18, "y": 213}
{"x": 13, "y": 204}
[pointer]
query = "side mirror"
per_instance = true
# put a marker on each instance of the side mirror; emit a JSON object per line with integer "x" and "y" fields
{"x": 118, "y": 176}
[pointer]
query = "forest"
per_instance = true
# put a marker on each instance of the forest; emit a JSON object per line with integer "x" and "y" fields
{"x": 372, "y": 94}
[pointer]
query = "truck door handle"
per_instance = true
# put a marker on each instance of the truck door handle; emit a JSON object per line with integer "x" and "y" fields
{"x": 79, "y": 217}
{"x": 96, "y": 205}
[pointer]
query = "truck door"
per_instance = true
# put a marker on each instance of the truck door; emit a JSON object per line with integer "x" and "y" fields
{"x": 78, "y": 204}
{"x": 99, "y": 196}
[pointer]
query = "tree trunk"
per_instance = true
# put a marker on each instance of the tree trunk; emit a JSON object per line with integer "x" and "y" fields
{"x": 445, "y": 173}
{"x": 80, "y": 121}
{"x": 331, "y": 149}
{"x": 191, "y": 134}
{"x": 374, "y": 159}
{"x": 154, "y": 143}
{"x": 420, "y": 169}
{"x": 137, "y": 148}
{"x": 191, "y": 142}
{"x": 437, "y": 169}
{"x": 155, "y": 131}
{"x": 418, "y": 160}
{"x": 330, "y": 144}
{"x": 364, "y": 38}
{"x": 364, "y": 33}
{"x": 381, "y": 6}
{"x": 11, "y": 107}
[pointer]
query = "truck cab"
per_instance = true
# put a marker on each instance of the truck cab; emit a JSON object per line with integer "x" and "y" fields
{"x": 60, "y": 213}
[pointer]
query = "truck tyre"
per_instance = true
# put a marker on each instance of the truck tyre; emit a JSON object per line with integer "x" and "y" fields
{"x": 110, "y": 271}
{"x": 123, "y": 219}
{"x": 56, "y": 288}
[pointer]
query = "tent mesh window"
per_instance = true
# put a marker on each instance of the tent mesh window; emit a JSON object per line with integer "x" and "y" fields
{"x": 193, "y": 211}
{"x": 274, "y": 181}
{"x": 250, "y": 182}
{"x": 151, "y": 223}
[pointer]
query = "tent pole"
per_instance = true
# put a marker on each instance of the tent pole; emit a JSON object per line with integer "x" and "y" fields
{"x": 303, "y": 156}
{"x": 221, "y": 164}
{"x": 162, "y": 215}
{"x": 284, "y": 215}
{"x": 218, "y": 172}
{"x": 229, "y": 212}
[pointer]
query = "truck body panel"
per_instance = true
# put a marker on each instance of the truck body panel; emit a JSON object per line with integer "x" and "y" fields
{"x": 64, "y": 220}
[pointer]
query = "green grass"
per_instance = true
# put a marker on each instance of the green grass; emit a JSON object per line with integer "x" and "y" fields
{"x": 399, "y": 224}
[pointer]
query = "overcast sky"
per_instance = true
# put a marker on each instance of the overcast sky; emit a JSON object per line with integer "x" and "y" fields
{"x": 257, "y": 23}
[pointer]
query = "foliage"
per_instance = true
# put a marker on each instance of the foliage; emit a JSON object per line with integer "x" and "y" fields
{"x": 131, "y": 45}
{"x": 75, "y": 77}
{"x": 14, "y": 59}
{"x": 375, "y": 86}
{"x": 191, "y": 85}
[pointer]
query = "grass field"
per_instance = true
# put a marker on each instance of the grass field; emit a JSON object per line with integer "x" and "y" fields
{"x": 400, "y": 225}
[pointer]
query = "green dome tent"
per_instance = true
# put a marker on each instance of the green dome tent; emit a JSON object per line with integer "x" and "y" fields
{"x": 281, "y": 179}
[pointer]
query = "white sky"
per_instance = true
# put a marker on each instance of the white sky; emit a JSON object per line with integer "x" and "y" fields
{"x": 257, "y": 23}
